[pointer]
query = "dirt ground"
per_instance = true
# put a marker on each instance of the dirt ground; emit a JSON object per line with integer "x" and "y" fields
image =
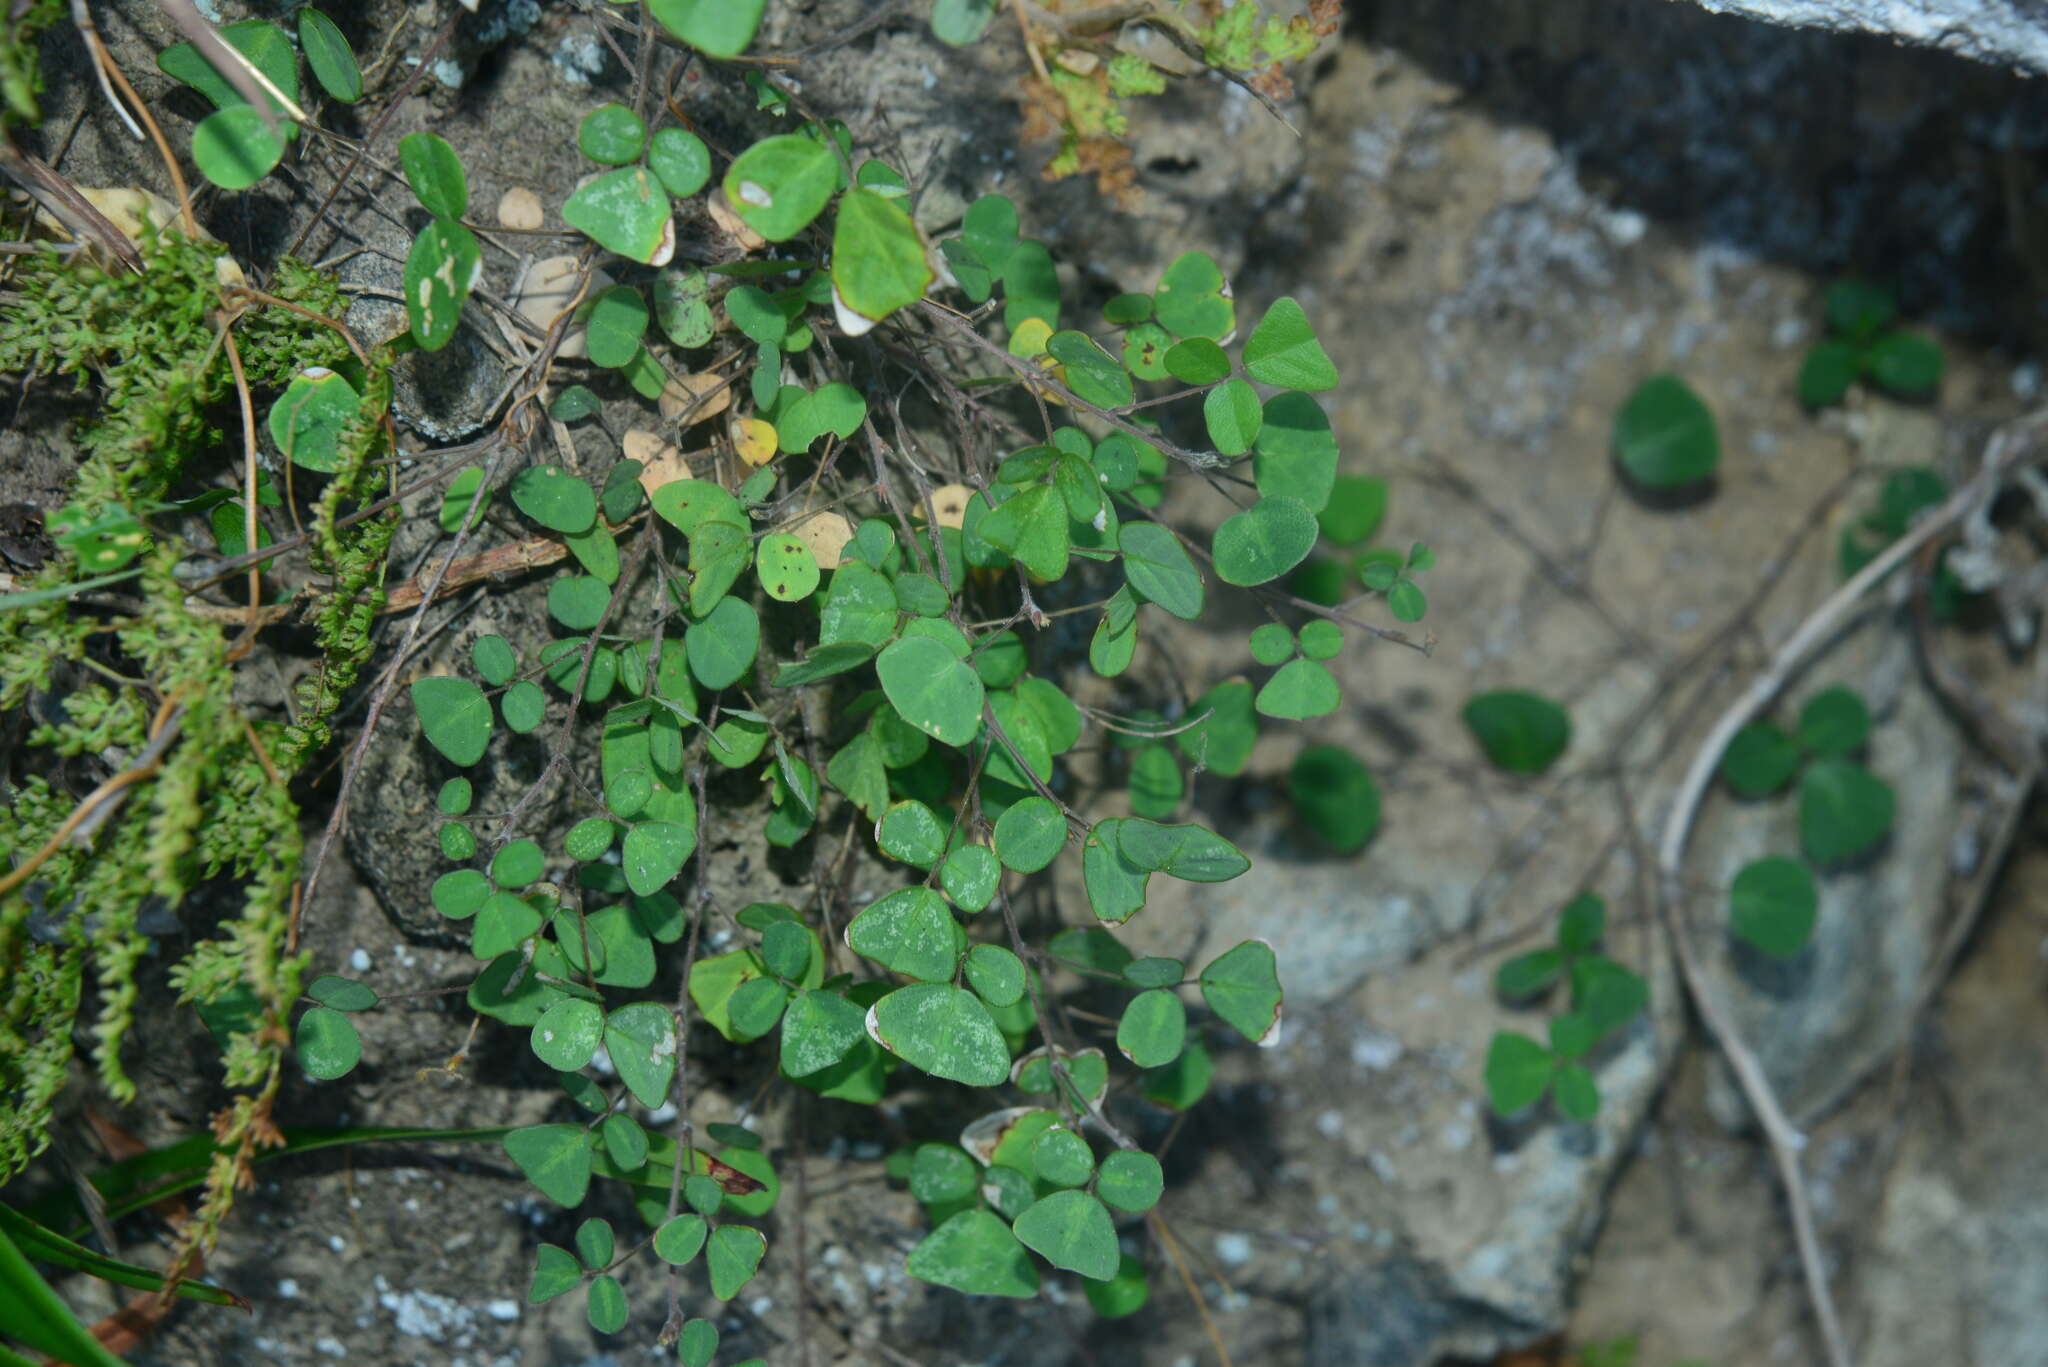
{"x": 1503, "y": 217}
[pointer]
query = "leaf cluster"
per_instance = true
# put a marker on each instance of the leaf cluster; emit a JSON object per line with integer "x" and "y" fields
{"x": 707, "y": 611}
{"x": 1864, "y": 343}
{"x": 1845, "y": 812}
{"x": 1605, "y": 997}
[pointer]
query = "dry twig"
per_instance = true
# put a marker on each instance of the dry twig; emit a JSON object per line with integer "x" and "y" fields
{"x": 1784, "y": 1139}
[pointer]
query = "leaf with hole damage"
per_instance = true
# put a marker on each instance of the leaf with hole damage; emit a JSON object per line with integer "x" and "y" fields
{"x": 837, "y": 408}
{"x": 780, "y": 184}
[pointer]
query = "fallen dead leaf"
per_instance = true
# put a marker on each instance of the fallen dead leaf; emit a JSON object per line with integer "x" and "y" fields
{"x": 129, "y": 209}
{"x": 949, "y": 504}
{"x": 520, "y": 208}
{"x": 826, "y": 535}
{"x": 550, "y": 288}
{"x": 731, "y": 224}
{"x": 660, "y": 461}
{"x": 690, "y": 399}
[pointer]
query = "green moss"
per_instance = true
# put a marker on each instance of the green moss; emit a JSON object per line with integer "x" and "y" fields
{"x": 149, "y": 346}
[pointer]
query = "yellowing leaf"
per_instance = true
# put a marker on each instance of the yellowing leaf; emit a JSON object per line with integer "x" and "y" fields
{"x": 1029, "y": 340}
{"x": 754, "y": 439}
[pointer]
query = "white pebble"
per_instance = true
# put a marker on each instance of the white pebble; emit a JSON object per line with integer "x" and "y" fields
{"x": 359, "y": 961}
{"x": 1234, "y": 1250}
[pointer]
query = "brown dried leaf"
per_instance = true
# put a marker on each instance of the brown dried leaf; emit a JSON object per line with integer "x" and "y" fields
{"x": 549, "y": 289}
{"x": 660, "y": 462}
{"x": 826, "y": 534}
{"x": 949, "y": 504}
{"x": 731, "y": 224}
{"x": 690, "y": 399}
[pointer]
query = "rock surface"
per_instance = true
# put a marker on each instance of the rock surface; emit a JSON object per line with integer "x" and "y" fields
{"x": 2006, "y": 32}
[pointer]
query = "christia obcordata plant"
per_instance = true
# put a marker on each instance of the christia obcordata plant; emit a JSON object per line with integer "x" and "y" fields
{"x": 900, "y": 522}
